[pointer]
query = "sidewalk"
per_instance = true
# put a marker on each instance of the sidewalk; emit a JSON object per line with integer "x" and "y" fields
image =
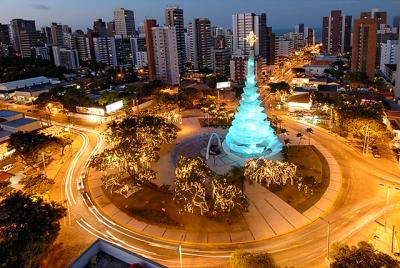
{"x": 268, "y": 215}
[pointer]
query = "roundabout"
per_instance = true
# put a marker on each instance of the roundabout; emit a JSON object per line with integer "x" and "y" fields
{"x": 348, "y": 215}
{"x": 268, "y": 216}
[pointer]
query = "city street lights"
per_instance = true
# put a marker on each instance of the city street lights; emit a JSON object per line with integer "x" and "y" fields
{"x": 328, "y": 242}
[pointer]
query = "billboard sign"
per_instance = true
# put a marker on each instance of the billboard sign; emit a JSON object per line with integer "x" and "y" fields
{"x": 90, "y": 110}
{"x": 113, "y": 107}
{"x": 222, "y": 85}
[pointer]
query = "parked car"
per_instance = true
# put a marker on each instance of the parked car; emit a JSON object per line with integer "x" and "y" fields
{"x": 7, "y": 167}
{"x": 376, "y": 154}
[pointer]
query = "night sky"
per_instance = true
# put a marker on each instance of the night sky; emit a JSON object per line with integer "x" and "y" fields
{"x": 281, "y": 14}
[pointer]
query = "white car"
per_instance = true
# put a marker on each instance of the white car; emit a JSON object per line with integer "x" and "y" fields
{"x": 7, "y": 167}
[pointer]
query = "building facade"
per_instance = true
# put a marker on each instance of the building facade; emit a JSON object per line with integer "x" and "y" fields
{"x": 200, "y": 43}
{"x": 166, "y": 57}
{"x": 364, "y": 46}
{"x": 124, "y": 21}
{"x": 105, "y": 51}
{"x": 174, "y": 18}
{"x": 66, "y": 57}
{"x": 336, "y": 33}
{"x": 16, "y": 27}
{"x": 148, "y": 31}
{"x": 242, "y": 25}
{"x": 221, "y": 60}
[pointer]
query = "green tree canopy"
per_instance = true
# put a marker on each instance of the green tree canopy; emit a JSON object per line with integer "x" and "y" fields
{"x": 28, "y": 227}
{"x": 108, "y": 98}
{"x": 363, "y": 255}
{"x": 281, "y": 87}
{"x": 36, "y": 185}
{"x": 135, "y": 144}
{"x": 69, "y": 97}
{"x": 191, "y": 194}
{"x": 241, "y": 259}
{"x": 28, "y": 146}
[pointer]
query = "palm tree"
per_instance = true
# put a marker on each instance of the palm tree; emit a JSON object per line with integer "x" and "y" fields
{"x": 309, "y": 132}
{"x": 300, "y": 136}
{"x": 284, "y": 131}
{"x": 287, "y": 143}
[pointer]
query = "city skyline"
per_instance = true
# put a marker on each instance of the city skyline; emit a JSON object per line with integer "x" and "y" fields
{"x": 280, "y": 14}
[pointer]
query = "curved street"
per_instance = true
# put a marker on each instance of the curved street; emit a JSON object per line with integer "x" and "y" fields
{"x": 360, "y": 203}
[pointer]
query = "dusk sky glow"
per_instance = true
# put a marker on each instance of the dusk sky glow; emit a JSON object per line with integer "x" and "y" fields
{"x": 282, "y": 14}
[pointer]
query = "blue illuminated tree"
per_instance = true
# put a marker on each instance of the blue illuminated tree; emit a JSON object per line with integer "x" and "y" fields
{"x": 251, "y": 134}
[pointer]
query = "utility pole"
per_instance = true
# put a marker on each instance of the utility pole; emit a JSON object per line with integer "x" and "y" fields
{"x": 393, "y": 232}
{"x": 328, "y": 242}
{"x": 44, "y": 164}
{"x": 365, "y": 147}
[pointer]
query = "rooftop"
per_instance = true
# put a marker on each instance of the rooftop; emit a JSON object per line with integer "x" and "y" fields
{"x": 300, "y": 98}
{"x": 5, "y": 176}
{"x": 30, "y": 82}
{"x": 19, "y": 122}
{"x": 105, "y": 254}
{"x": 8, "y": 113}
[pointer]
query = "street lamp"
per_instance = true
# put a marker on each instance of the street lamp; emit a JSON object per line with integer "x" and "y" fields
{"x": 328, "y": 242}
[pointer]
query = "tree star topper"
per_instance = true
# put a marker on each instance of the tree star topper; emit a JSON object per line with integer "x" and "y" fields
{"x": 251, "y": 38}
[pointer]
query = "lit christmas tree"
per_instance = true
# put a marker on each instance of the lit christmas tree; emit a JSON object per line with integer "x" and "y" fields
{"x": 251, "y": 134}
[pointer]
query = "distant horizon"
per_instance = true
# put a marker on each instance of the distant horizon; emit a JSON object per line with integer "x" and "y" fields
{"x": 281, "y": 14}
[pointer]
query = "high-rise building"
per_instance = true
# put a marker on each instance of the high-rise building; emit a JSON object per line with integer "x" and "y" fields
{"x": 139, "y": 51}
{"x": 200, "y": 43}
{"x": 396, "y": 22}
{"x": 124, "y": 51}
{"x": 43, "y": 53}
{"x": 336, "y": 33}
{"x": 166, "y": 55}
{"x": 242, "y": 25}
{"x": 90, "y": 36}
{"x": 283, "y": 48}
{"x": 270, "y": 60}
{"x": 5, "y": 34}
{"x": 379, "y": 16}
{"x": 297, "y": 39}
{"x": 66, "y": 57}
{"x": 5, "y": 41}
{"x": 174, "y": 18}
{"x": 310, "y": 37}
{"x": 46, "y": 34}
{"x": 384, "y": 34}
{"x": 111, "y": 28}
{"x": 149, "y": 24}
{"x": 99, "y": 27}
{"x": 397, "y": 87}
{"x": 221, "y": 60}
{"x": 238, "y": 67}
{"x": 28, "y": 41}
{"x": 105, "y": 51}
{"x": 80, "y": 43}
{"x": 390, "y": 51}
{"x": 229, "y": 39}
{"x": 57, "y": 34}
{"x": 18, "y": 25}
{"x": 364, "y": 46}
{"x": 124, "y": 20}
{"x": 299, "y": 28}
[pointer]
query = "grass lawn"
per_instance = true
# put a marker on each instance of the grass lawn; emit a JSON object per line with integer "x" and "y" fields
{"x": 310, "y": 162}
{"x": 158, "y": 208}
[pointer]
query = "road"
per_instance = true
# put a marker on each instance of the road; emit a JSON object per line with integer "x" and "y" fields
{"x": 360, "y": 203}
